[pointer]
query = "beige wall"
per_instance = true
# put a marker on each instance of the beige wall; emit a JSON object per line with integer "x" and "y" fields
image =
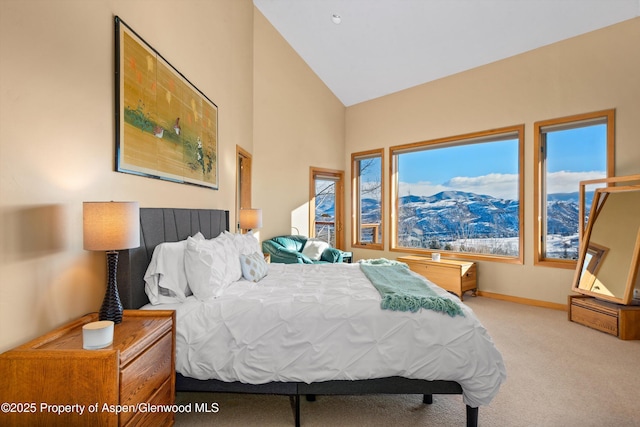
{"x": 57, "y": 137}
{"x": 298, "y": 123}
{"x": 589, "y": 73}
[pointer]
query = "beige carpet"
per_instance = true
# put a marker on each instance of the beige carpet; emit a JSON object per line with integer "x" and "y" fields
{"x": 559, "y": 374}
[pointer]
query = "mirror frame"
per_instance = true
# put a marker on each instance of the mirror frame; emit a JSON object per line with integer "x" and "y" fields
{"x": 628, "y": 183}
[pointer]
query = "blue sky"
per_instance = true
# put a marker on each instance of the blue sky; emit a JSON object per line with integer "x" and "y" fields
{"x": 491, "y": 168}
{"x": 467, "y": 160}
{"x": 577, "y": 150}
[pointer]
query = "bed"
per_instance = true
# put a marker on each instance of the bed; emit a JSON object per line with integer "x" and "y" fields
{"x": 159, "y": 225}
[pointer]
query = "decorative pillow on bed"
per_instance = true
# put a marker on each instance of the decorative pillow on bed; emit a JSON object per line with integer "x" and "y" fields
{"x": 206, "y": 269}
{"x": 313, "y": 248}
{"x": 254, "y": 267}
{"x": 165, "y": 279}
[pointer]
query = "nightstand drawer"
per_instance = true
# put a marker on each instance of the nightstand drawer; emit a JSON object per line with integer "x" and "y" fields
{"x": 164, "y": 396}
{"x": 146, "y": 374}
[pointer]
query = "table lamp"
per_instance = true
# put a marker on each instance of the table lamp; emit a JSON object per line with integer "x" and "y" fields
{"x": 111, "y": 226}
{"x": 250, "y": 219}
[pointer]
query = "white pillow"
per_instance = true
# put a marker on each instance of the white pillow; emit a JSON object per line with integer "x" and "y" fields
{"x": 245, "y": 243}
{"x": 233, "y": 272}
{"x": 165, "y": 278}
{"x": 254, "y": 267}
{"x": 205, "y": 264}
{"x": 313, "y": 248}
{"x": 239, "y": 244}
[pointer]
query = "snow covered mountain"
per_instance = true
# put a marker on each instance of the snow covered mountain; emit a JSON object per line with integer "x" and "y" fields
{"x": 451, "y": 217}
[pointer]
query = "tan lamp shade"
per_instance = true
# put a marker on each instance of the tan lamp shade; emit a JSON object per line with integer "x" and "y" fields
{"x": 109, "y": 226}
{"x": 250, "y": 219}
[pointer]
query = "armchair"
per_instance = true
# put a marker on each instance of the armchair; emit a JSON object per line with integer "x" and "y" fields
{"x": 289, "y": 250}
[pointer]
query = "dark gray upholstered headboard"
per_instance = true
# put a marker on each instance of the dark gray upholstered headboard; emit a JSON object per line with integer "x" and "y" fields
{"x": 159, "y": 225}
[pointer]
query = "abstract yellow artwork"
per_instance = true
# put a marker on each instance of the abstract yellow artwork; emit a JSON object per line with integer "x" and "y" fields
{"x": 165, "y": 127}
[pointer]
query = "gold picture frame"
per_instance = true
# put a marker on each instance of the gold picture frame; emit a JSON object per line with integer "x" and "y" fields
{"x": 165, "y": 127}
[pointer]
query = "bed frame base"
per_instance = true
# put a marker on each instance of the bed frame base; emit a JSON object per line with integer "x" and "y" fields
{"x": 390, "y": 385}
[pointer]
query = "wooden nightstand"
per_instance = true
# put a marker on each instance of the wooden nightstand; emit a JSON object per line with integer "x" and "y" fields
{"x": 136, "y": 372}
{"x": 454, "y": 276}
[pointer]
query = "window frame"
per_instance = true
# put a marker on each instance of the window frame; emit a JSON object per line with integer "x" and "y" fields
{"x": 355, "y": 199}
{"x": 539, "y": 189}
{"x": 470, "y": 138}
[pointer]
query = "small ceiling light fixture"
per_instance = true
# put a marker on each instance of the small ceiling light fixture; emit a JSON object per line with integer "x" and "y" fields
{"x": 336, "y": 19}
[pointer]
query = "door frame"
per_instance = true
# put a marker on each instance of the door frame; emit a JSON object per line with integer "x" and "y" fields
{"x": 338, "y": 176}
{"x": 243, "y": 181}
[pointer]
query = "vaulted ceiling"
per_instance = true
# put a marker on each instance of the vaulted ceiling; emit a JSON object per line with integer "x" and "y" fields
{"x": 383, "y": 46}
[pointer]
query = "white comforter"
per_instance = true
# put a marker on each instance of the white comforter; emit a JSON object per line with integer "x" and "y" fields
{"x": 310, "y": 323}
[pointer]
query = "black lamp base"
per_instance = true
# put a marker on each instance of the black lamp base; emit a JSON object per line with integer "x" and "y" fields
{"x": 111, "y": 306}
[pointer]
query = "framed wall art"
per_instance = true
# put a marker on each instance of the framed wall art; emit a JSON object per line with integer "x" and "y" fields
{"x": 165, "y": 127}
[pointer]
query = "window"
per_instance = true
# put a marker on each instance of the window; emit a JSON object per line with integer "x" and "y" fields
{"x": 568, "y": 150}
{"x": 326, "y": 201}
{"x": 460, "y": 195}
{"x": 367, "y": 210}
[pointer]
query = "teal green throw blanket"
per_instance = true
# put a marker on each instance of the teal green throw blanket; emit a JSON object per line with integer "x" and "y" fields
{"x": 402, "y": 291}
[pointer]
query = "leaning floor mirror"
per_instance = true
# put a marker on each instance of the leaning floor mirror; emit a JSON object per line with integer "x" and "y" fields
{"x": 607, "y": 268}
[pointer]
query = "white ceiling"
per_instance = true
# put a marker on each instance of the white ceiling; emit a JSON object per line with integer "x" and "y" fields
{"x": 383, "y": 46}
